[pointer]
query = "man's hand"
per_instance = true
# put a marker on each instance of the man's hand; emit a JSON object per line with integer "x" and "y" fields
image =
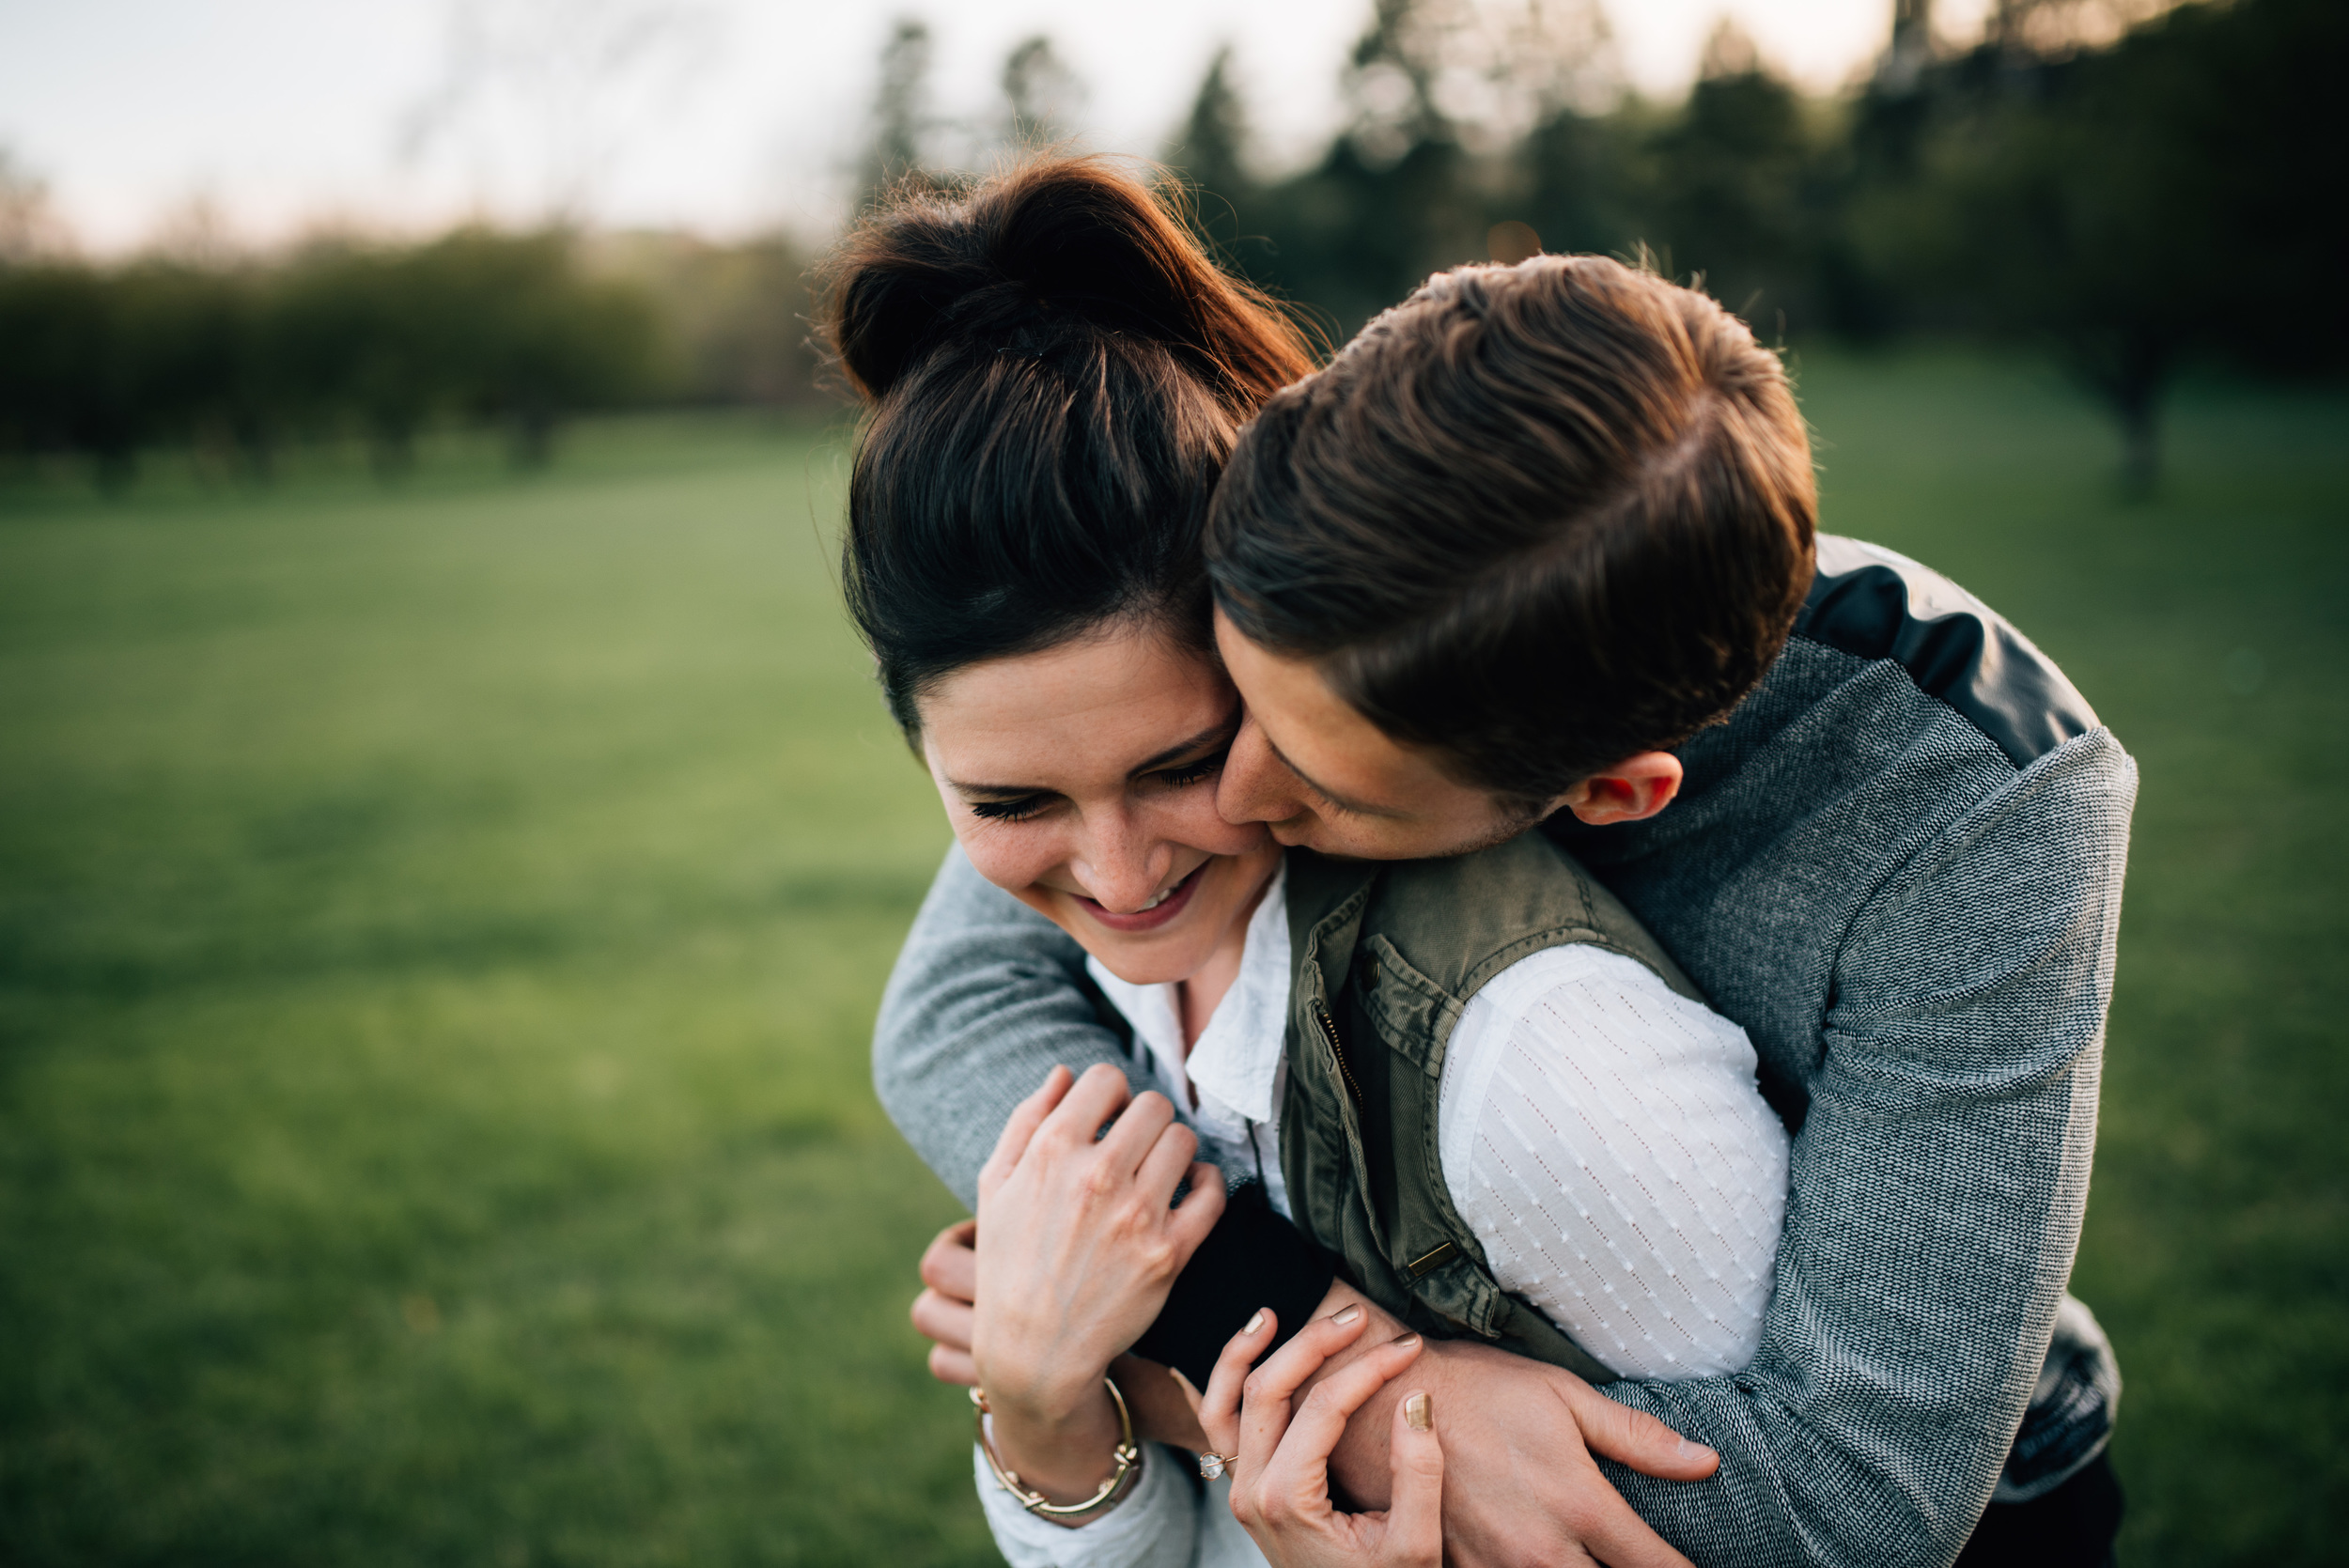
{"x": 943, "y": 1312}
{"x": 1519, "y": 1436}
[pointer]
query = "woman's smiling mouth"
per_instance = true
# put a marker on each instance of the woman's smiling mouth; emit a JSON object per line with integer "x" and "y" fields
{"x": 1151, "y": 916}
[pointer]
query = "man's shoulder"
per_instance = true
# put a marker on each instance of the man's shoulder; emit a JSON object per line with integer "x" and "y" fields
{"x": 1464, "y": 919}
{"x": 1877, "y": 605}
{"x": 1491, "y": 896}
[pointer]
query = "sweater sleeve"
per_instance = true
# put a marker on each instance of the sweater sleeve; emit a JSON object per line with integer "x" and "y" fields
{"x": 1938, "y": 1184}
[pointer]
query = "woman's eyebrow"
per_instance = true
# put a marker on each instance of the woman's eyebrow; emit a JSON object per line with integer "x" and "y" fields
{"x": 961, "y": 788}
{"x": 1220, "y": 730}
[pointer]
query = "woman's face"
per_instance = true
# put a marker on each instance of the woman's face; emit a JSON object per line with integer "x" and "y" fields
{"x": 1081, "y": 780}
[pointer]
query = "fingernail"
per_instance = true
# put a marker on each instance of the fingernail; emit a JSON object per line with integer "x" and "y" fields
{"x": 1694, "y": 1451}
{"x": 1409, "y": 1342}
{"x": 1254, "y": 1324}
{"x": 1415, "y": 1412}
{"x": 1345, "y": 1316}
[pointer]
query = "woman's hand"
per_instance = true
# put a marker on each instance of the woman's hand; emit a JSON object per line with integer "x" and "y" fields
{"x": 1281, "y": 1474}
{"x": 1078, "y": 1241}
{"x": 1165, "y": 1408}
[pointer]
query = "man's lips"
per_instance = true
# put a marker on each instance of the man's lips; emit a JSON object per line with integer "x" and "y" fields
{"x": 1174, "y": 904}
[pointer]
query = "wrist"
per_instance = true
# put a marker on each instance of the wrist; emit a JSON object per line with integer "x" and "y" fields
{"x": 1039, "y": 1400}
{"x": 1063, "y": 1454}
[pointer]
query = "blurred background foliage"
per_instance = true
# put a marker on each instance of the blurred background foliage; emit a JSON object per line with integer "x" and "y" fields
{"x": 2131, "y": 206}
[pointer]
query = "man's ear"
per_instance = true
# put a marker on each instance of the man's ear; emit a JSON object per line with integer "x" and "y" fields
{"x": 1632, "y": 790}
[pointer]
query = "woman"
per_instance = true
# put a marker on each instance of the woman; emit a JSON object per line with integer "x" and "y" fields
{"x": 1055, "y": 375}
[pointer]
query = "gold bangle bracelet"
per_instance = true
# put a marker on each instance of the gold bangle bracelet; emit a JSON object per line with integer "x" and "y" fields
{"x": 1128, "y": 1457}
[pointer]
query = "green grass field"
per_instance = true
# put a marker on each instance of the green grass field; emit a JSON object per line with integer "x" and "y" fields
{"x": 439, "y": 929}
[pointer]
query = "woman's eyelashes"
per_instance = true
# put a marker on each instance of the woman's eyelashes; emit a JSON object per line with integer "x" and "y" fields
{"x": 1010, "y": 811}
{"x": 1195, "y": 772}
{"x": 1023, "y": 807}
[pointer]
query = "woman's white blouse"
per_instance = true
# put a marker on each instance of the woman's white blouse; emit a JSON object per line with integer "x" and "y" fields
{"x": 1602, "y": 1136}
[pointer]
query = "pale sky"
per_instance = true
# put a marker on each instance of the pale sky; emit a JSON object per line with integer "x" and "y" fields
{"x": 283, "y": 114}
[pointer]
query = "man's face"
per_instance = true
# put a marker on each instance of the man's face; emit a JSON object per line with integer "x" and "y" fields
{"x": 1323, "y": 776}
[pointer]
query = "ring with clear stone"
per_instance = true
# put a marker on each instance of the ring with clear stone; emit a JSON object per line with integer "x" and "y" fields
{"x": 1212, "y": 1466}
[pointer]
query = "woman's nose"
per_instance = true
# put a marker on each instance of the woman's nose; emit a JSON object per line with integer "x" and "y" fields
{"x": 1121, "y": 867}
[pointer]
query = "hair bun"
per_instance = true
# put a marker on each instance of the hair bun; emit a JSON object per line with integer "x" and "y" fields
{"x": 1055, "y": 246}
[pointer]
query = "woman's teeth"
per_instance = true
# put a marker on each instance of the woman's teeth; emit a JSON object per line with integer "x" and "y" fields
{"x": 1169, "y": 890}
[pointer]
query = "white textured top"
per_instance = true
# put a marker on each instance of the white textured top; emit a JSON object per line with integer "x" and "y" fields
{"x": 1603, "y": 1138}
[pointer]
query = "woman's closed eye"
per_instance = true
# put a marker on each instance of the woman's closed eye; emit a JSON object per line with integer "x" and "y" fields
{"x": 1020, "y": 808}
{"x": 1010, "y": 811}
{"x": 1190, "y": 773}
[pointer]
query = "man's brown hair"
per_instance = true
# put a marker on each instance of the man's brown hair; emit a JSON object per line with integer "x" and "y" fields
{"x": 1538, "y": 518}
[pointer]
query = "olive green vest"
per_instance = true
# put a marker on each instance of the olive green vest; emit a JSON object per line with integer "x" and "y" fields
{"x": 1386, "y": 956}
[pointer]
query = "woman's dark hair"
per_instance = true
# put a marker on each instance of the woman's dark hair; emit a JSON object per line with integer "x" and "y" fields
{"x": 1538, "y": 519}
{"x": 1055, "y": 374}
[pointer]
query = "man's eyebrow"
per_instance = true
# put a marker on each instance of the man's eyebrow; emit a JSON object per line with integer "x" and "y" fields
{"x": 1352, "y": 807}
{"x": 1222, "y": 729}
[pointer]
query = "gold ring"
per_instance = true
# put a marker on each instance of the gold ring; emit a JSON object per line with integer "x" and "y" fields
{"x": 1212, "y": 1466}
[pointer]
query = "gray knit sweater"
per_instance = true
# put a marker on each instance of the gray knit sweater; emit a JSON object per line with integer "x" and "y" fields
{"x": 1899, "y": 867}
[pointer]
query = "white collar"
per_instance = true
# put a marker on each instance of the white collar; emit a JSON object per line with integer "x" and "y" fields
{"x": 1237, "y": 1065}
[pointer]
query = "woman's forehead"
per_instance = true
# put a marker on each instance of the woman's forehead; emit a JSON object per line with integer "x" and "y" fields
{"x": 1093, "y": 708}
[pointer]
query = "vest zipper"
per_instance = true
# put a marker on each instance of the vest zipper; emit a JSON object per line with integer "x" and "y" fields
{"x": 1337, "y": 1049}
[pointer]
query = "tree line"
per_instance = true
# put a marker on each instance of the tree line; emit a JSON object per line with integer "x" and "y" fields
{"x": 2132, "y": 204}
{"x": 2131, "y": 207}
{"x": 382, "y": 342}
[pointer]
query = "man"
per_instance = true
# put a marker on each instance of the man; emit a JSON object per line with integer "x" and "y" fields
{"x": 1537, "y": 548}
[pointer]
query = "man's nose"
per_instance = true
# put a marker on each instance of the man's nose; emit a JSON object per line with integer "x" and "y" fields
{"x": 1256, "y": 784}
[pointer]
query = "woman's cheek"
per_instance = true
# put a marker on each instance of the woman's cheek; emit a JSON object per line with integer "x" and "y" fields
{"x": 1012, "y": 856}
{"x": 1187, "y": 817}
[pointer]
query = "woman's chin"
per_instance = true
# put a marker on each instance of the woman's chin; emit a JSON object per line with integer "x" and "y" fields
{"x": 1157, "y": 958}
{"x": 1148, "y": 968}
{"x": 1160, "y": 956}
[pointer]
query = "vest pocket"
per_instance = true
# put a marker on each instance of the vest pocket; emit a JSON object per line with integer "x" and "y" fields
{"x": 1414, "y": 1015}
